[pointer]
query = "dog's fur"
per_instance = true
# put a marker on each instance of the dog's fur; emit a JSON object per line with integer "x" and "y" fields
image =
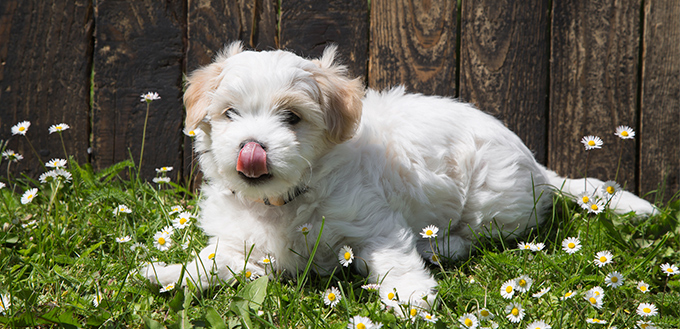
{"x": 378, "y": 168}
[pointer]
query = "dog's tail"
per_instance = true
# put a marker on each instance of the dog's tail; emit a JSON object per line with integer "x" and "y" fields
{"x": 622, "y": 203}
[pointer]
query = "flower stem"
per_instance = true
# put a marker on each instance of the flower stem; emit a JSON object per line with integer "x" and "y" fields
{"x": 616, "y": 176}
{"x": 35, "y": 153}
{"x": 141, "y": 153}
{"x": 63, "y": 146}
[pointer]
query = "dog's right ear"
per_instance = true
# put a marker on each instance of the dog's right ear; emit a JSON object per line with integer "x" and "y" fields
{"x": 201, "y": 82}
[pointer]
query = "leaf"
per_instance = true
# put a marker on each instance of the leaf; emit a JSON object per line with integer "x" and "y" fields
{"x": 152, "y": 324}
{"x": 177, "y": 303}
{"x": 214, "y": 318}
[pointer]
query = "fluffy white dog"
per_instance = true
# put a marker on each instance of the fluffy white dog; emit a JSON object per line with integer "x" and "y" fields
{"x": 289, "y": 141}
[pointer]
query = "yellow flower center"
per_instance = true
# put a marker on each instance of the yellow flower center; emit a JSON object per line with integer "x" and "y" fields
{"x": 211, "y": 256}
{"x": 568, "y": 294}
{"x": 615, "y": 279}
{"x": 571, "y": 245}
{"x": 484, "y": 313}
{"x": 508, "y": 289}
{"x": 22, "y": 128}
{"x": 161, "y": 240}
{"x": 305, "y": 230}
{"x": 331, "y": 296}
{"x": 248, "y": 274}
{"x": 522, "y": 282}
{"x": 603, "y": 259}
{"x": 669, "y": 270}
{"x": 30, "y": 196}
{"x": 414, "y": 312}
{"x": 597, "y": 293}
{"x": 515, "y": 311}
{"x": 435, "y": 258}
{"x": 182, "y": 220}
{"x": 585, "y": 199}
{"x": 429, "y": 317}
{"x": 347, "y": 255}
{"x": 468, "y": 322}
{"x": 591, "y": 143}
{"x": 429, "y": 232}
{"x": 624, "y": 133}
{"x": 646, "y": 310}
{"x": 390, "y": 296}
{"x": 361, "y": 326}
{"x": 610, "y": 189}
{"x": 592, "y": 300}
{"x": 192, "y": 133}
{"x": 644, "y": 325}
{"x": 266, "y": 261}
{"x": 594, "y": 207}
{"x": 643, "y": 288}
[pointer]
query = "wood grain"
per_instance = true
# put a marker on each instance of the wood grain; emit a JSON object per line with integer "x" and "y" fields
{"x": 660, "y": 99}
{"x": 504, "y": 56}
{"x": 308, "y": 26}
{"x": 139, "y": 48}
{"x": 45, "y": 51}
{"x": 594, "y": 83}
{"x": 413, "y": 43}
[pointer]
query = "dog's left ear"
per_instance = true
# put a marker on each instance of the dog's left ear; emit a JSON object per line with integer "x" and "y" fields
{"x": 341, "y": 96}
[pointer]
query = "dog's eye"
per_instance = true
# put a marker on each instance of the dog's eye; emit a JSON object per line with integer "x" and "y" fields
{"x": 291, "y": 118}
{"x": 231, "y": 113}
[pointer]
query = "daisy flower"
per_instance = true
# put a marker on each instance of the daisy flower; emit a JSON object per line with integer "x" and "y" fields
{"x": 304, "y": 228}
{"x": 162, "y": 241}
{"x": 539, "y": 325}
{"x": 161, "y": 180}
{"x": 595, "y": 206}
{"x": 183, "y": 220}
{"x": 645, "y": 324}
{"x": 596, "y": 321}
{"x": 21, "y": 128}
{"x": 583, "y": 200}
{"x": 508, "y": 289}
{"x": 5, "y": 303}
{"x": 597, "y": 291}
{"x": 121, "y": 209}
{"x": 12, "y": 156}
{"x": 2, "y": 185}
{"x": 603, "y": 258}
{"x": 434, "y": 259}
{"x": 614, "y": 279}
{"x": 592, "y": 142}
{"x": 524, "y": 246}
{"x": 29, "y": 195}
{"x": 123, "y": 239}
{"x": 642, "y": 286}
{"x": 138, "y": 245}
{"x": 593, "y": 299}
{"x": 431, "y": 318}
{"x": 669, "y": 269}
{"x": 625, "y": 132}
{"x": 250, "y": 276}
{"x": 346, "y": 256}
{"x": 468, "y": 320}
{"x": 59, "y": 172}
{"x": 362, "y": 322}
{"x": 58, "y": 128}
{"x": 611, "y": 189}
{"x": 538, "y": 246}
{"x": 167, "y": 287}
{"x": 523, "y": 283}
{"x": 164, "y": 169}
{"x": 647, "y": 309}
{"x": 568, "y": 295}
{"x": 97, "y": 299}
{"x": 541, "y": 292}
{"x": 484, "y": 314}
{"x": 191, "y": 133}
{"x": 429, "y": 232}
{"x": 371, "y": 287}
{"x": 47, "y": 177}
{"x": 571, "y": 245}
{"x": 392, "y": 296}
{"x": 150, "y": 97}
{"x": 168, "y": 230}
{"x": 56, "y": 163}
{"x": 514, "y": 312}
{"x": 267, "y": 260}
{"x": 175, "y": 209}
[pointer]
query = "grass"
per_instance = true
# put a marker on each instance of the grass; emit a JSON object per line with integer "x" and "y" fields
{"x": 59, "y": 254}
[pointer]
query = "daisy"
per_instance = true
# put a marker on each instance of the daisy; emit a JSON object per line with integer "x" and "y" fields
{"x": 371, "y": 287}
{"x": 429, "y": 232}
{"x": 669, "y": 269}
{"x": 597, "y": 291}
{"x": 492, "y": 325}
{"x": 523, "y": 283}
{"x": 167, "y": 230}
{"x": 183, "y": 220}
{"x": 304, "y": 228}
{"x": 164, "y": 169}
{"x": 175, "y": 209}
{"x": 150, "y": 97}
{"x": 538, "y": 246}
{"x": 596, "y": 320}
{"x": 391, "y": 296}
{"x": 250, "y": 276}
{"x": 594, "y": 300}
{"x": 47, "y": 177}
{"x": 611, "y": 189}
{"x": 29, "y": 195}
{"x": 162, "y": 241}
{"x": 167, "y": 287}
{"x": 362, "y": 322}
{"x": 595, "y": 206}
{"x": 58, "y": 128}
{"x": 592, "y": 142}
{"x": 21, "y": 128}
{"x": 584, "y": 200}
{"x": 485, "y": 314}
{"x": 645, "y": 324}
{"x": 625, "y": 132}
{"x": 56, "y": 163}
{"x": 538, "y": 325}
{"x": 12, "y": 156}
{"x": 647, "y": 309}
{"x": 571, "y": 245}
{"x": 161, "y": 180}
{"x": 508, "y": 289}
{"x": 642, "y": 286}
{"x": 138, "y": 245}
{"x": 468, "y": 320}
{"x": 524, "y": 246}
{"x": 346, "y": 256}
{"x": 121, "y": 209}
{"x": 431, "y": 318}
{"x": 5, "y": 303}
{"x": 514, "y": 312}
{"x": 267, "y": 260}
{"x": 568, "y": 295}
{"x": 434, "y": 259}
{"x": 123, "y": 239}
{"x": 603, "y": 258}
{"x": 541, "y": 292}
{"x": 191, "y": 133}
{"x": 2, "y": 185}
{"x": 614, "y": 279}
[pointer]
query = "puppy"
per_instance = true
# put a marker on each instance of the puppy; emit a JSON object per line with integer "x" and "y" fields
{"x": 288, "y": 141}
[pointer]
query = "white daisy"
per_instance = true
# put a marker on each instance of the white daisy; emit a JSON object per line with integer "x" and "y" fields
{"x": 56, "y": 163}
{"x": 642, "y": 286}
{"x": 21, "y": 128}
{"x": 5, "y": 303}
{"x": 603, "y": 258}
{"x": 595, "y": 206}
{"x": 592, "y": 142}
{"x": 669, "y": 269}
{"x": 594, "y": 300}
{"x": 29, "y": 195}
{"x": 123, "y": 239}
{"x": 371, "y": 287}
{"x": 304, "y": 228}
{"x": 647, "y": 309}
{"x": 162, "y": 241}
{"x": 468, "y": 320}
{"x": 514, "y": 312}
{"x": 597, "y": 291}
{"x": 121, "y": 209}
{"x": 161, "y": 180}
{"x": 150, "y": 97}
{"x": 538, "y": 246}
{"x": 508, "y": 289}
{"x": 541, "y": 292}
{"x": 183, "y": 220}
{"x": 434, "y": 259}
{"x": 267, "y": 260}
{"x": 645, "y": 324}
{"x": 65, "y": 175}
{"x": 571, "y": 245}
{"x": 614, "y": 279}
{"x": 539, "y": 325}
{"x": 167, "y": 287}
{"x": 58, "y": 128}
{"x": 98, "y": 297}
{"x": 138, "y": 245}
{"x": 429, "y": 232}
{"x": 346, "y": 256}
{"x": 484, "y": 314}
{"x": 625, "y": 132}
{"x": 611, "y": 189}
{"x": 175, "y": 209}
{"x": 568, "y": 295}
{"x": 524, "y": 246}
{"x": 362, "y": 322}
{"x": 332, "y": 296}
{"x": 596, "y": 321}
{"x": 164, "y": 169}
{"x": 431, "y": 318}
{"x": 584, "y": 199}
{"x": 168, "y": 230}
{"x": 12, "y": 156}
{"x": 47, "y": 177}
{"x": 2, "y": 185}
{"x": 523, "y": 283}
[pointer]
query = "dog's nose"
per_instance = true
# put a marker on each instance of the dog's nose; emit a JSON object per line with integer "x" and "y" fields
{"x": 252, "y": 160}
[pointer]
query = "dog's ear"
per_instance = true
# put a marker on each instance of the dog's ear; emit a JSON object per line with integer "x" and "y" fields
{"x": 201, "y": 82}
{"x": 341, "y": 97}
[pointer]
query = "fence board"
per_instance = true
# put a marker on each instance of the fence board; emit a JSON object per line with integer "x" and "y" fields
{"x": 413, "y": 43}
{"x": 44, "y": 76}
{"x": 308, "y": 26}
{"x": 594, "y": 81}
{"x": 139, "y": 48}
{"x": 660, "y": 99}
{"x": 504, "y": 64}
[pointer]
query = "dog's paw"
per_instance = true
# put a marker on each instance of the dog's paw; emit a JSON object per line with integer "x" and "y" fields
{"x": 160, "y": 273}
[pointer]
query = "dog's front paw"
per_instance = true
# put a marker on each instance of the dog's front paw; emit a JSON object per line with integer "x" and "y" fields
{"x": 161, "y": 274}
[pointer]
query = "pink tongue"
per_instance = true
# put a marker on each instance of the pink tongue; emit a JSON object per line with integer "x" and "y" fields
{"x": 252, "y": 160}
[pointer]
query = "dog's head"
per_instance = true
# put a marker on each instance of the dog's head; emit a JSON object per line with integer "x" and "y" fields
{"x": 268, "y": 116}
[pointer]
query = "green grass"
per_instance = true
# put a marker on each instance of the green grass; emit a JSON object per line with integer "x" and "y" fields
{"x": 59, "y": 252}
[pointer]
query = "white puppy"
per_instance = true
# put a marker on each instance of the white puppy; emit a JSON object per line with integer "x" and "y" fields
{"x": 289, "y": 141}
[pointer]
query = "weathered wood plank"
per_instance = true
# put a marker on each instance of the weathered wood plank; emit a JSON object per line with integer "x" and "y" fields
{"x": 504, "y": 56}
{"x": 139, "y": 48}
{"x": 45, "y": 50}
{"x": 593, "y": 86}
{"x": 308, "y": 26}
{"x": 413, "y": 43}
{"x": 660, "y": 99}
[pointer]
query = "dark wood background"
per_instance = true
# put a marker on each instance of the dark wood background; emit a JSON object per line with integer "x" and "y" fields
{"x": 553, "y": 71}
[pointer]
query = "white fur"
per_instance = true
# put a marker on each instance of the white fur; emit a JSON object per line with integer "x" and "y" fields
{"x": 413, "y": 161}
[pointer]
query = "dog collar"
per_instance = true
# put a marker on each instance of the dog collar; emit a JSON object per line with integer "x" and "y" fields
{"x": 280, "y": 201}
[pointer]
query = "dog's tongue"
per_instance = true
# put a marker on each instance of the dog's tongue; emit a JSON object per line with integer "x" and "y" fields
{"x": 252, "y": 160}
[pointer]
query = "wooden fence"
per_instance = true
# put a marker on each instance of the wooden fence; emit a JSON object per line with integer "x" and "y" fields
{"x": 552, "y": 70}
